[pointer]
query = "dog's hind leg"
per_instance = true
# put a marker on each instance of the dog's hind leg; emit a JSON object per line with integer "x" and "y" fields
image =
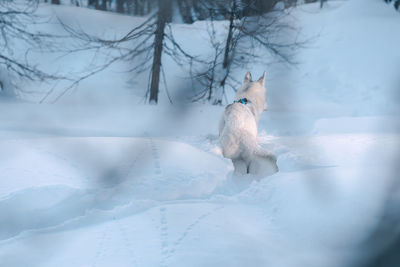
{"x": 240, "y": 166}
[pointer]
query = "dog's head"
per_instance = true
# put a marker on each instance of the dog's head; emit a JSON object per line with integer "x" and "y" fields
{"x": 254, "y": 90}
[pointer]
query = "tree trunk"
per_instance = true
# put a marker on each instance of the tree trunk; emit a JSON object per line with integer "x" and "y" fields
{"x": 136, "y": 7}
{"x": 185, "y": 11}
{"x": 141, "y": 9}
{"x": 164, "y": 12}
{"x": 55, "y": 2}
{"x": 94, "y": 3}
{"x": 148, "y": 6}
{"x": 103, "y": 5}
{"x": 200, "y": 11}
{"x": 120, "y": 6}
{"x": 229, "y": 39}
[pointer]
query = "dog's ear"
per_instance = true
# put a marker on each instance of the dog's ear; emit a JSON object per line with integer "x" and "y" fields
{"x": 247, "y": 78}
{"x": 262, "y": 79}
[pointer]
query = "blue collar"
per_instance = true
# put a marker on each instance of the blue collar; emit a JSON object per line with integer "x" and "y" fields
{"x": 244, "y": 101}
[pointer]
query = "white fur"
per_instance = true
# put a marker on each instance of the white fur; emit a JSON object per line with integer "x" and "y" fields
{"x": 238, "y": 130}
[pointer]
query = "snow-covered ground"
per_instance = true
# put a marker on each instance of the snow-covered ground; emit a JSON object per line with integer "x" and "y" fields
{"x": 100, "y": 180}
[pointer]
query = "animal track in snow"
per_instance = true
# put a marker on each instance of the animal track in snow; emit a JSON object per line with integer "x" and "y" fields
{"x": 100, "y": 251}
{"x": 163, "y": 235}
{"x": 167, "y": 250}
{"x": 127, "y": 242}
{"x": 156, "y": 158}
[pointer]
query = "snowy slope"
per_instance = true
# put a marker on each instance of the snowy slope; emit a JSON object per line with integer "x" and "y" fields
{"x": 130, "y": 202}
{"x": 90, "y": 182}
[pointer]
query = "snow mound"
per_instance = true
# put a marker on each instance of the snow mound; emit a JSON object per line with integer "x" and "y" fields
{"x": 98, "y": 174}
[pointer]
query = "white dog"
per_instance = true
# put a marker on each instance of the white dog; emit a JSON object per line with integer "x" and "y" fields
{"x": 238, "y": 130}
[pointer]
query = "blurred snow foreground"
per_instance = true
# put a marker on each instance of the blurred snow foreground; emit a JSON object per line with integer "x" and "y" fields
{"x": 84, "y": 183}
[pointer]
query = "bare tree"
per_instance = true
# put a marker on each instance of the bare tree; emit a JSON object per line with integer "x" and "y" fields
{"x": 396, "y": 3}
{"x": 253, "y": 26}
{"x": 186, "y": 11}
{"x": 14, "y": 18}
{"x": 207, "y": 77}
{"x": 133, "y": 7}
{"x": 144, "y": 46}
{"x": 120, "y": 6}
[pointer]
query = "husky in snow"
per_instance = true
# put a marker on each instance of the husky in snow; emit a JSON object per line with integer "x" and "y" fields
{"x": 238, "y": 130}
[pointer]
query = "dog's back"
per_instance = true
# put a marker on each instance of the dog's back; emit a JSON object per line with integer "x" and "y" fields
{"x": 238, "y": 132}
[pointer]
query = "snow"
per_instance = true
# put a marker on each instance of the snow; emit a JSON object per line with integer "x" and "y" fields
{"x": 100, "y": 179}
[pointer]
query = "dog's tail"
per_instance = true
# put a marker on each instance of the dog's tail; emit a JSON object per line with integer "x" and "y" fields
{"x": 263, "y": 162}
{"x": 265, "y": 154}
